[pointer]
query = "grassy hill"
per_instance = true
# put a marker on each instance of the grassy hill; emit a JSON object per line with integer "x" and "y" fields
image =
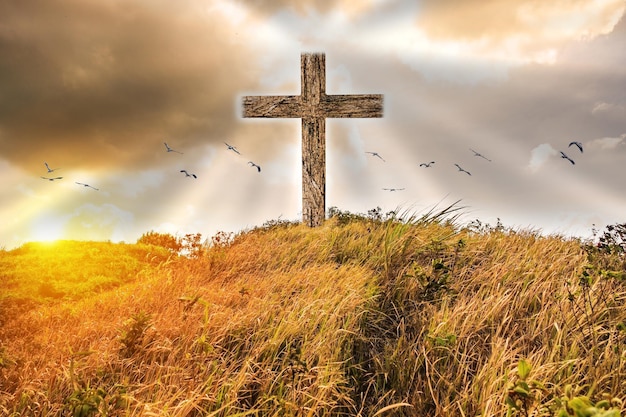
{"x": 38, "y": 273}
{"x": 362, "y": 316}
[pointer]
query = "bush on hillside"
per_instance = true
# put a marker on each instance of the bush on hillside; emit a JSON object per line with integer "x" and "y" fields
{"x": 613, "y": 240}
{"x": 164, "y": 240}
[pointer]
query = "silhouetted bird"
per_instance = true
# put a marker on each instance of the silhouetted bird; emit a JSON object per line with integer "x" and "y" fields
{"x": 461, "y": 169}
{"x": 427, "y": 165}
{"x": 86, "y": 185}
{"x": 52, "y": 179}
{"x": 255, "y": 165}
{"x": 578, "y": 145}
{"x": 50, "y": 169}
{"x": 393, "y": 189}
{"x": 188, "y": 174}
{"x": 170, "y": 149}
{"x": 232, "y": 148}
{"x": 567, "y": 157}
{"x": 376, "y": 154}
{"x": 480, "y": 155}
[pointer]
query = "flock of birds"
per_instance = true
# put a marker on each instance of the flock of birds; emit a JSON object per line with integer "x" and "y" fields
{"x": 258, "y": 168}
{"x": 428, "y": 165}
{"x": 184, "y": 171}
{"x": 578, "y": 145}
{"x": 229, "y": 147}
{"x": 50, "y": 170}
{"x": 167, "y": 148}
{"x": 477, "y": 154}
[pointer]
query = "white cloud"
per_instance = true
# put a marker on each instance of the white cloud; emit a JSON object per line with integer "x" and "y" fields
{"x": 607, "y": 143}
{"x": 610, "y": 110}
{"x": 98, "y": 222}
{"x": 601, "y": 107}
{"x": 540, "y": 155}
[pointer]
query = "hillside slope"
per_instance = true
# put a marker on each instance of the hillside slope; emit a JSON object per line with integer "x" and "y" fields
{"x": 357, "y": 317}
{"x": 38, "y": 273}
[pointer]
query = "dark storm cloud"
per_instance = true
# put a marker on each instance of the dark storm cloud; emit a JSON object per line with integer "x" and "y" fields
{"x": 93, "y": 81}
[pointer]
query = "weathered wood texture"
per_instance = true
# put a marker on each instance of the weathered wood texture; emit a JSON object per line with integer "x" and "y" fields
{"x": 313, "y": 106}
{"x": 313, "y": 171}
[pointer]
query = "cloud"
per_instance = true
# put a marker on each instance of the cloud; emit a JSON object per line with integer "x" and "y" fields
{"x": 307, "y": 7}
{"x": 136, "y": 184}
{"x": 608, "y": 143}
{"x": 609, "y": 111}
{"x": 539, "y": 155}
{"x": 527, "y": 30}
{"x": 463, "y": 42}
{"x": 108, "y": 79}
{"x": 98, "y": 222}
{"x": 476, "y": 41}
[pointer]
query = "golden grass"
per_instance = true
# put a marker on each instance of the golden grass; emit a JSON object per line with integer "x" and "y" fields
{"x": 359, "y": 317}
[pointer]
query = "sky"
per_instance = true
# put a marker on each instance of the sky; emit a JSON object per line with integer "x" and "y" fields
{"x": 94, "y": 88}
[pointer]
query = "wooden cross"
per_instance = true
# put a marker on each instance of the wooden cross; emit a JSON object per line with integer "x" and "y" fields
{"x": 313, "y": 106}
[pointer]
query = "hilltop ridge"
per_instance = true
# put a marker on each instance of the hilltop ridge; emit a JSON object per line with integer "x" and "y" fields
{"x": 361, "y": 316}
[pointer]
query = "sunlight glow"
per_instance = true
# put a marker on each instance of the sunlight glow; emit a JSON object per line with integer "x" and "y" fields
{"x": 47, "y": 228}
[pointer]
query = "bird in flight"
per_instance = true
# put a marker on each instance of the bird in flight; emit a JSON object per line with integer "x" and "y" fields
{"x": 52, "y": 179}
{"x": 376, "y": 154}
{"x": 170, "y": 149}
{"x": 50, "y": 169}
{"x": 427, "y": 165}
{"x": 462, "y": 170}
{"x": 480, "y": 155}
{"x": 188, "y": 174}
{"x": 86, "y": 185}
{"x": 577, "y": 144}
{"x": 232, "y": 148}
{"x": 567, "y": 157}
{"x": 252, "y": 164}
{"x": 393, "y": 189}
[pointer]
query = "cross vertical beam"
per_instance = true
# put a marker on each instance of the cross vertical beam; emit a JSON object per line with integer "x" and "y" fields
{"x": 313, "y": 171}
{"x": 313, "y": 89}
{"x": 313, "y": 106}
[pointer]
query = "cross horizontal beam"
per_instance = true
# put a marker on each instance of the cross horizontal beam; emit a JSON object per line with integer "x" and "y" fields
{"x": 329, "y": 106}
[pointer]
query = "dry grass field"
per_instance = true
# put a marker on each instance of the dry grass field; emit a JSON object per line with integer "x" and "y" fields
{"x": 364, "y": 316}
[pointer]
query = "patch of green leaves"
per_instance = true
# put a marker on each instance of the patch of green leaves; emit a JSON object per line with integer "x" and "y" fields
{"x": 525, "y": 397}
{"x": 134, "y": 334}
{"x": 523, "y": 394}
